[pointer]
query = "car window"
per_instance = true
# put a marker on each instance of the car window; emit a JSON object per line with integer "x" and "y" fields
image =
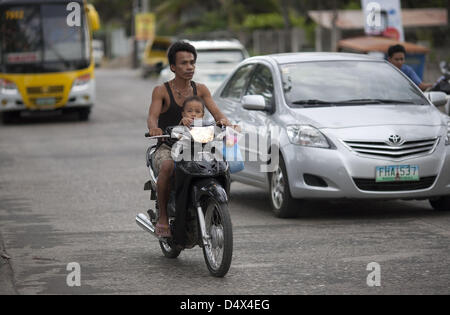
{"x": 237, "y": 83}
{"x": 341, "y": 81}
{"x": 262, "y": 84}
{"x": 220, "y": 56}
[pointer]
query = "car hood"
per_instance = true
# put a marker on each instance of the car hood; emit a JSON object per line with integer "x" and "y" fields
{"x": 360, "y": 116}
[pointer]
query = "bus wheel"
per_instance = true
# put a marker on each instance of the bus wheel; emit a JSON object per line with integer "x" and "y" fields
{"x": 9, "y": 117}
{"x": 83, "y": 114}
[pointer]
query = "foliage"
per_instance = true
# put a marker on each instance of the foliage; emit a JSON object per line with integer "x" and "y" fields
{"x": 113, "y": 12}
{"x": 211, "y": 21}
{"x": 175, "y": 16}
{"x": 303, "y": 23}
{"x": 264, "y": 21}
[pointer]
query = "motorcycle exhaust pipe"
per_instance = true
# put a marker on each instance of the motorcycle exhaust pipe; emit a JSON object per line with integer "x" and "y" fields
{"x": 145, "y": 224}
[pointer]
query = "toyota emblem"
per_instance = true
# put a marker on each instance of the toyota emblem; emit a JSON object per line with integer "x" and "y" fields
{"x": 395, "y": 140}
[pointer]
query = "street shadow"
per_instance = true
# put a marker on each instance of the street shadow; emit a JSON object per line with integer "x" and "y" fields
{"x": 44, "y": 118}
{"x": 364, "y": 209}
{"x": 258, "y": 201}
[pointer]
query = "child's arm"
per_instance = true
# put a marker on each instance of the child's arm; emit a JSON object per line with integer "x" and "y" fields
{"x": 186, "y": 122}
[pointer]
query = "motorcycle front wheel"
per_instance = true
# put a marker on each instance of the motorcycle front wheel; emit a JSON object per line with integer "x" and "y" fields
{"x": 219, "y": 251}
{"x": 169, "y": 250}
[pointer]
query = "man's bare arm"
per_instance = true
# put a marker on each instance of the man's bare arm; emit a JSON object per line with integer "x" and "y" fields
{"x": 425, "y": 86}
{"x": 155, "y": 111}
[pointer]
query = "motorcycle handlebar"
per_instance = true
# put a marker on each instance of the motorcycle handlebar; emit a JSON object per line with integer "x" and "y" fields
{"x": 147, "y": 135}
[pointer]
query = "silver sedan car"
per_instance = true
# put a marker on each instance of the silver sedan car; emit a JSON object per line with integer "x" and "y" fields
{"x": 332, "y": 125}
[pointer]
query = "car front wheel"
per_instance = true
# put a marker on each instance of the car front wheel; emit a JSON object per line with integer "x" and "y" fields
{"x": 283, "y": 205}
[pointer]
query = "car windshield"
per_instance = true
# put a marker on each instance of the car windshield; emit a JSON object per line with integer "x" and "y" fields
{"x": 37, "y": 38}
{"x": 343, "y": 83}
{"x": 219, "y": 56}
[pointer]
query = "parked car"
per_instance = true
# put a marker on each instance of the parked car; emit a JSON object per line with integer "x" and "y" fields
{"x": 343, "y": 125}
{"x": 215, "y": 61}
{"x": 154, "y": 58}
{"x": 98, "y": 52}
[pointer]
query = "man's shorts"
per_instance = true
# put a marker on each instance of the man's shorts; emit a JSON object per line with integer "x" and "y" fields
{"x": 164, "y": 153}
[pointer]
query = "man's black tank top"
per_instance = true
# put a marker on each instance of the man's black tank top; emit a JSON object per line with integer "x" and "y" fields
{"x": 173, "y": 115}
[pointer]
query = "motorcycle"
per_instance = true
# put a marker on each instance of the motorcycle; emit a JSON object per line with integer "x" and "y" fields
{"x": 198, "y": 206}
{"x": 443, "y": 84}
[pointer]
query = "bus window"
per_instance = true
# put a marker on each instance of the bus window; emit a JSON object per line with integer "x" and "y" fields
{"x": 61, "y": 40}
{"x": 38, "y": 39}
{"x": 21, "y": 37}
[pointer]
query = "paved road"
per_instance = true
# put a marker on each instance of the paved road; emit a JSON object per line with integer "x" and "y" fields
{"x": 69, "y": 192}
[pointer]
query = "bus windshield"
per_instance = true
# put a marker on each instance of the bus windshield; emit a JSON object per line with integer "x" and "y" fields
{"x": 38, "y": 39}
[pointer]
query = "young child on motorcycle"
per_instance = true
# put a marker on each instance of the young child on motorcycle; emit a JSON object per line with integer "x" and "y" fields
{"x": 193, "y": 109}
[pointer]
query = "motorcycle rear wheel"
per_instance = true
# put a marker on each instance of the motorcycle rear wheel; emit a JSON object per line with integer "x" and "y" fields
{"x": 219, "y": 251}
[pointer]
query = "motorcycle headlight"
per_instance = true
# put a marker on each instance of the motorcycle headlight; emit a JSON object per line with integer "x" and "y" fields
{"x": 8, "y": 87}
{"x": 447, "y": 139}
{"x": 307, "y": 136}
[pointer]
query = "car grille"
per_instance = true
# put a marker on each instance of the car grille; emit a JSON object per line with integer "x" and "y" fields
{"x": 372, "y": 185}
{"x": 383, "y": 149}
{"x": 45, "y": 89}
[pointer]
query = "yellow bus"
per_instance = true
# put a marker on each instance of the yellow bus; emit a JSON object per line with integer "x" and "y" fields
{"x": 46, "y": 57}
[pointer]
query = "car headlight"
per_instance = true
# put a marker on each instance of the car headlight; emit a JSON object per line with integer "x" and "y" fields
{"x": 8, "y": 87}
{"x": 81, "y": 83}
{"x": 447, "y": 139}
{"x": 307, "y": 136}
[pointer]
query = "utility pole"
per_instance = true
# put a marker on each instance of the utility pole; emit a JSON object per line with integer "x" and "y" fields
{"x": 285, "y": 6}
{"x": 334, "y": 30}
{"x": 145, "y": 6}
{"x": 139, "y": 6}
{"x": 319, "y": 31}
{"x": 133, "y": 27}
{"x": 448, "y": 20}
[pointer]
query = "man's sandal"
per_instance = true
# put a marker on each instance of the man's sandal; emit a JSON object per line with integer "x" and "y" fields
{"x": 163, "y": 230}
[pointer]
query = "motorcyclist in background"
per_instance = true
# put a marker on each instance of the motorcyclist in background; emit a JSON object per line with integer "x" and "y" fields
{"x": 397, "y": 56}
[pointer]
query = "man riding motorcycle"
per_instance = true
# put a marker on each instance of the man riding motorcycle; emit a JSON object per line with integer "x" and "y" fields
{"x": 166, "y": 110}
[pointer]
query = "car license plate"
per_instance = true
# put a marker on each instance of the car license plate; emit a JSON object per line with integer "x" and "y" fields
{"x": 45, "y": 101}
{"x": 395, "y": 173}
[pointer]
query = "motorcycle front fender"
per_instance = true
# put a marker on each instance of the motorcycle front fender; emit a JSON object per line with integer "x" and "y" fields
{"x": 209, "y": 188}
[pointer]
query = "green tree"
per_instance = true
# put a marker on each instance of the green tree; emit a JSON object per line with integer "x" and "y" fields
{"x": 175, "y": 15}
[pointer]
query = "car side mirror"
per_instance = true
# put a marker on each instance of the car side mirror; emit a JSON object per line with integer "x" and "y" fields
{"x": 254, "y": 102}
{"x": 437, "y": 98}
